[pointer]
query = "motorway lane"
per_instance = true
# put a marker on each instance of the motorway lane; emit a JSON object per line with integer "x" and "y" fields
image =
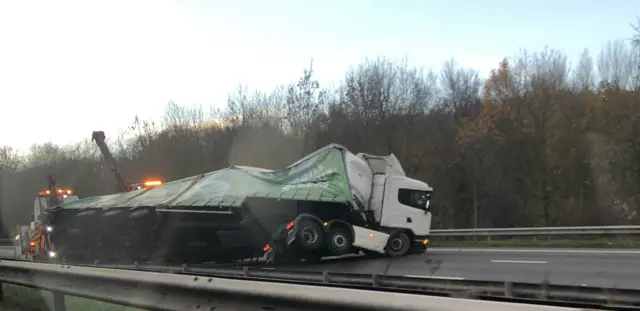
{"x": 600, "y": 268}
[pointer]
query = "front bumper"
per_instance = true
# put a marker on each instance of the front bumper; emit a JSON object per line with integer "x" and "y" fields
{"x": 420, "y": 244}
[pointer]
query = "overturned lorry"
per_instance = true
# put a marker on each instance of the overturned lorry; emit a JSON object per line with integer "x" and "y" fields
{"x": 330, "y": 203}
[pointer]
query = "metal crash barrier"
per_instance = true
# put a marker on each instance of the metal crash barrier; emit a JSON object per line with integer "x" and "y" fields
{"x": 170, "y": 291}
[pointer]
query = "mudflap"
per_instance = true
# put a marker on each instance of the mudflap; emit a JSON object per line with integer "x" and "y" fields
{"x": 280, "y": 250}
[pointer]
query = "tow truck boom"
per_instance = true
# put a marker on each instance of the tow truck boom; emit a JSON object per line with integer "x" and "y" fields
{"x": 99, "y": 138}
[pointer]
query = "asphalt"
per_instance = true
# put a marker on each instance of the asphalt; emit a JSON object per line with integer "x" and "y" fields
{"x": 600, "y": 268}
{"x": 579, "y": 267}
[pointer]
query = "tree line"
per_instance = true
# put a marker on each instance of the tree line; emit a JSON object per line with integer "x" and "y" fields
{"x": 540, "y": 142}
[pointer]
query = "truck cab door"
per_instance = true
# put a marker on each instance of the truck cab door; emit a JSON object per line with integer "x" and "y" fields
{"x": 404, "y": 205}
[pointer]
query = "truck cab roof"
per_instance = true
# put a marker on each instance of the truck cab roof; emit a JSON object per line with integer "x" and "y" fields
{"x": 387, "y": 165}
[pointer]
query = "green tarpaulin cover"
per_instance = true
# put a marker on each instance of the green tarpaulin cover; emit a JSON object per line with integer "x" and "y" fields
{"x": 321, "y": 176}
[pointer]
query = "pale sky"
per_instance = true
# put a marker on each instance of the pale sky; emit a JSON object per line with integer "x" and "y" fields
{"x": 70, "y": 67}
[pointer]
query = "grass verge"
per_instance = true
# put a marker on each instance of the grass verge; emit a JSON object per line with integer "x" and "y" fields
{"x": 19, "y": 298}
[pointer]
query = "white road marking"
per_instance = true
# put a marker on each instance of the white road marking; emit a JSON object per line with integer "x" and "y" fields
{"x": 434, "y": 277}
{"x": 520, "y": 261}
{"x": 534, "y": 250}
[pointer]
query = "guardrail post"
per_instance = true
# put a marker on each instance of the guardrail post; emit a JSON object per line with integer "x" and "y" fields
{"x": 375, "y": 280}
{"x": 1, "y": 293}
{"x": 58, "y": 302}
{"x": 508, "y": 289}
{"x": 325, "y": 277}
{"x": 544, "y": 293}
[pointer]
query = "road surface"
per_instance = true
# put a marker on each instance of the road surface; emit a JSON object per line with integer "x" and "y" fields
{"x": 596, "y": 267}
{"x": 600, "y": 268}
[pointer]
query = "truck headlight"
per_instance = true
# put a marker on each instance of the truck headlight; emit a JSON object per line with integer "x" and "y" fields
{"x": 52, "y": 254}
{"x": 49, "y": 229}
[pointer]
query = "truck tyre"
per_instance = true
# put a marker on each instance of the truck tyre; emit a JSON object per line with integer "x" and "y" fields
{"x": 309, "y": 235}
{"x": 398, "y": 244}
{"x": 340, "y": 241}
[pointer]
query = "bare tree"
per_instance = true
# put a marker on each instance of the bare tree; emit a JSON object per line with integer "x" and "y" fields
{"x": 614, "y": 63}
{"x": 10, "y": 160}
{"x": 584, "y": 78}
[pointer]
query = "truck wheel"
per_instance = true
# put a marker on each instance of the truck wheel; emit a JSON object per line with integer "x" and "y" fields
{"x": 398, "y": 244}
{"x": 309, "y": 235}
{"x": 340, "y": 241}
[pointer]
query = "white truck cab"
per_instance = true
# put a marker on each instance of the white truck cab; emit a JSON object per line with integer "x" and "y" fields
{"x": 398, "y": 204}
{"x": 405, "y": 205}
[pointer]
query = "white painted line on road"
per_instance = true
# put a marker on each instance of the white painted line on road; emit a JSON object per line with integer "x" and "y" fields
{"x": 534, "y": 250}
{"x": 434, "y": 277}
{"x": 520, "y": 261}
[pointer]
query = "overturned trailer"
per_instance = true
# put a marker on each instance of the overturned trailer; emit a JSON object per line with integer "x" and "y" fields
{"x": 331, "y": 202}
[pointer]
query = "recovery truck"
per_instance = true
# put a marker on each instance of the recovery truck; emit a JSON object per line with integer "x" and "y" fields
{"x": 330, "y": 203}
{"x": 34, "y": 240}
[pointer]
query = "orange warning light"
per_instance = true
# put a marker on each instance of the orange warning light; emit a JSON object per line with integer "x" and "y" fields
{"x": 152, "y": 183}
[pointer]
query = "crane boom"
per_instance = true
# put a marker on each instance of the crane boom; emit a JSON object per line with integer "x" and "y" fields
{"x": 99, "y": 138}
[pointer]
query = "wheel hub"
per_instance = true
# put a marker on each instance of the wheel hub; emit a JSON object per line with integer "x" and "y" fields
{"x": 339, "y": 241}
{"x": 309, "y": 235}
{"x": 396, "y": 244}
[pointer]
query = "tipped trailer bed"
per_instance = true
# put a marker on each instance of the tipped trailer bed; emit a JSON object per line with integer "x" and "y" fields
{"x": 329, "y": 203}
